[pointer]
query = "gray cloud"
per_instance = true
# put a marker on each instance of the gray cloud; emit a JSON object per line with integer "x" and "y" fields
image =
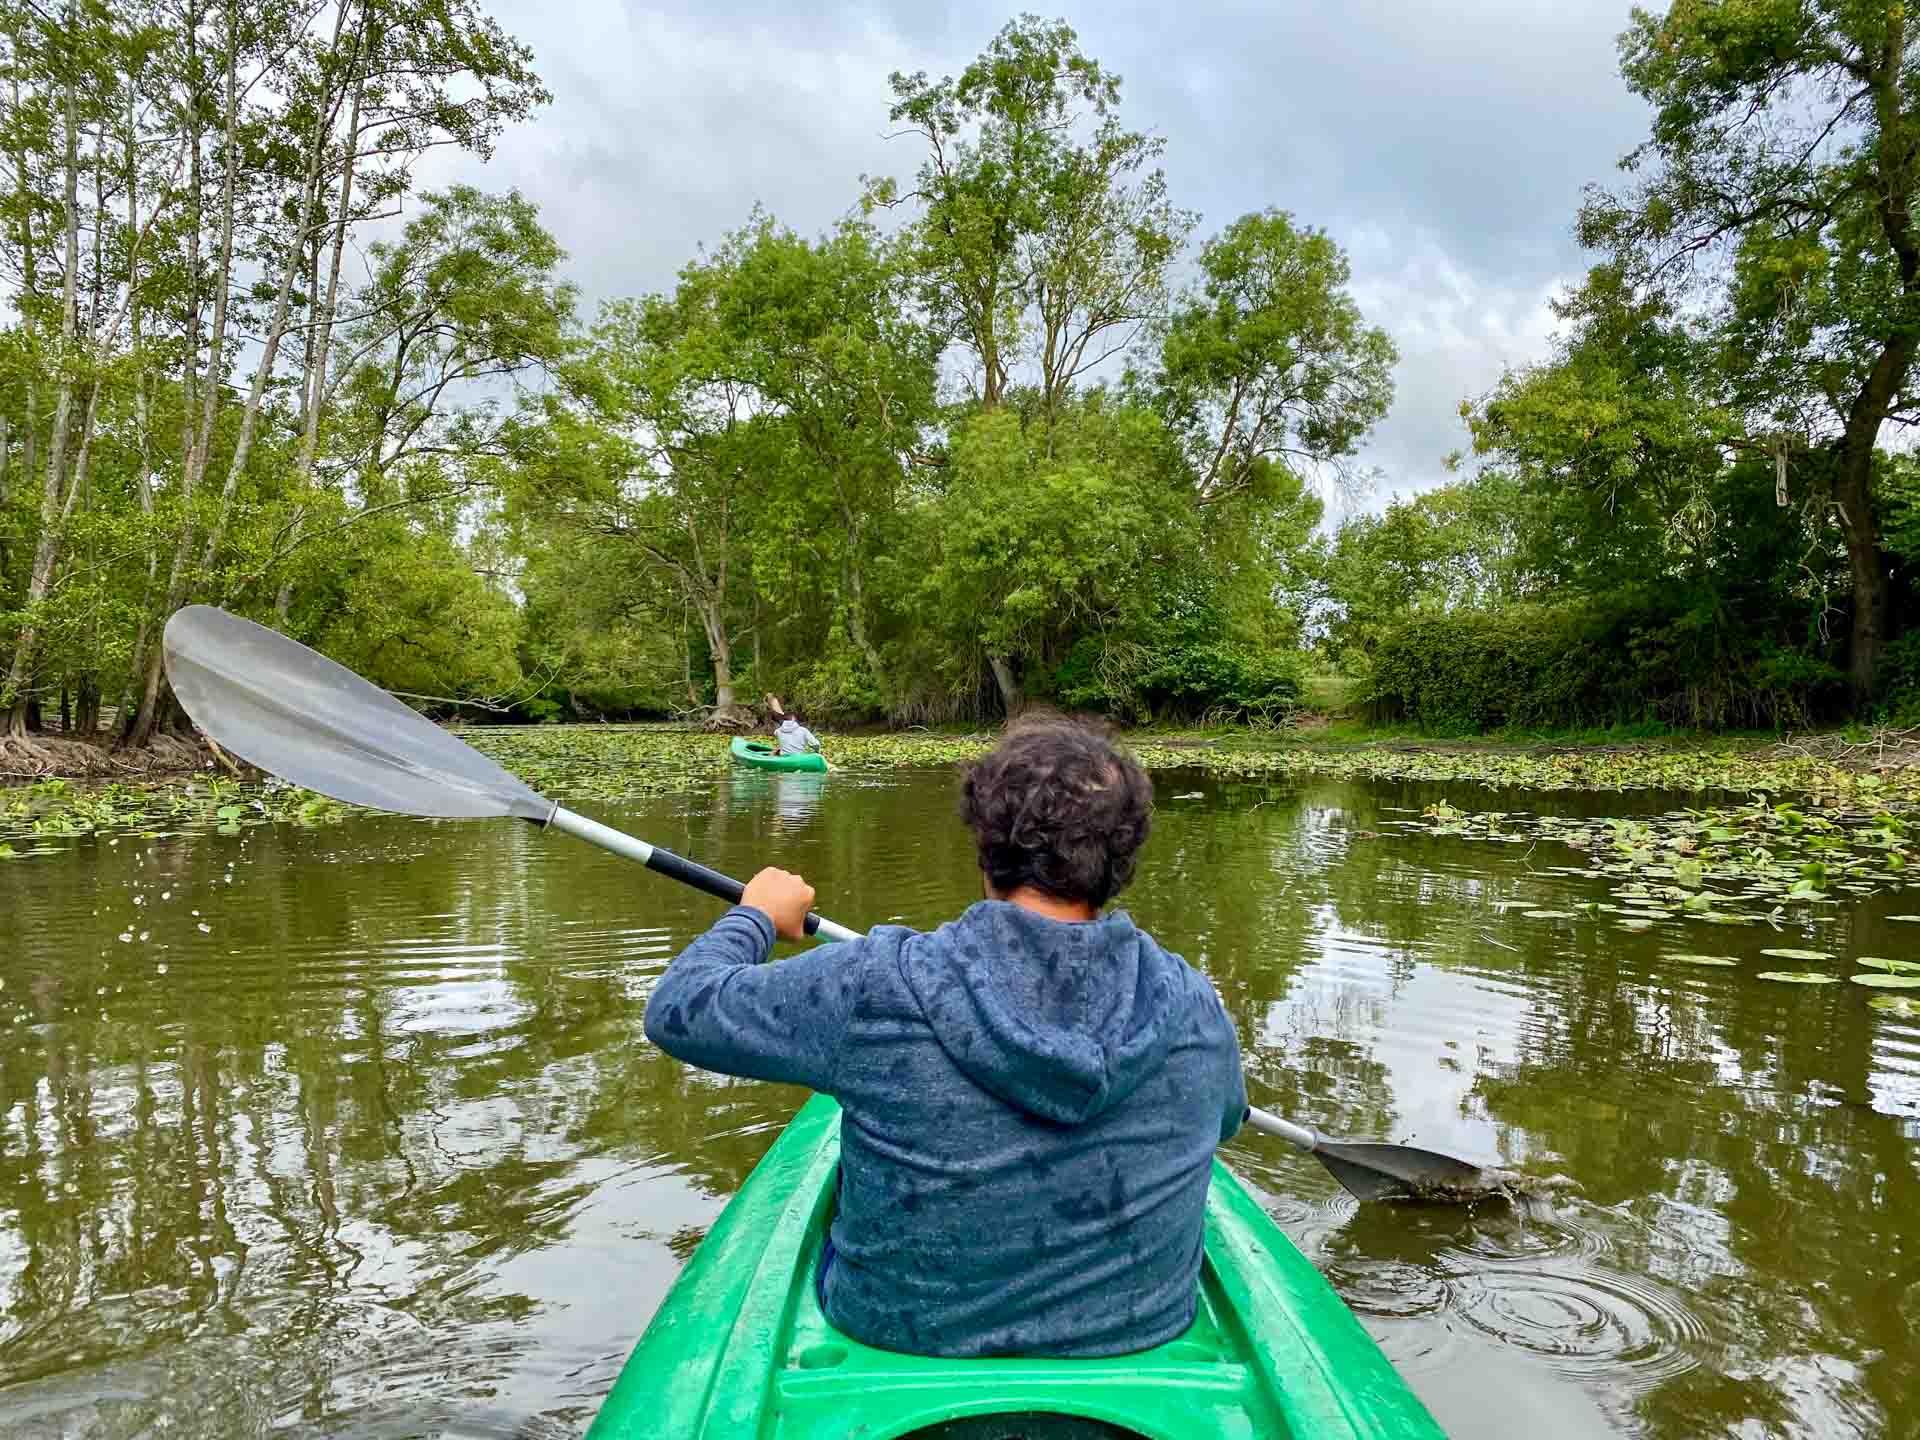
{"x": 1444, "y": 145}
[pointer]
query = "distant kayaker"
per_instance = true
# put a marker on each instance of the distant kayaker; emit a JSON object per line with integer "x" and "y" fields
{"x": 794, "y": 738}
{"x": 1032, "y": 1093}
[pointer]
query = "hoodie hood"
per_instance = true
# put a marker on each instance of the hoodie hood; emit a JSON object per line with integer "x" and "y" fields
{"x": 1058, "y": 1019}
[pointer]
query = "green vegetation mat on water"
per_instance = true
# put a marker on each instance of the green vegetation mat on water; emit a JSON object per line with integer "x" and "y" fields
{"x": 1870, "y": 815}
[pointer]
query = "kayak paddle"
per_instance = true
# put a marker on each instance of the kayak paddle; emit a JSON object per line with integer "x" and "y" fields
{"x": 294, "y": 713}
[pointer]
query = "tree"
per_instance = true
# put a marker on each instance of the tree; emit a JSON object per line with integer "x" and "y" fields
{"x": 1268, "y": 358}
{"x": 819, "y": 333}
{"x": 1613, "y": 446}
{"x": 661, "y": 444}
{"x": 1041, "y": 535}
{"x": 1045, "y": 233}
{"x": 1778, "y": 185}
{"x": 396, "y": 72}
{"x": 1452, "y": 548}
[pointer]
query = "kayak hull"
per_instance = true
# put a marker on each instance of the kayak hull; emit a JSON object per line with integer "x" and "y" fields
{"x": 766, "y": 757}
{"x": 741, "y": 1349}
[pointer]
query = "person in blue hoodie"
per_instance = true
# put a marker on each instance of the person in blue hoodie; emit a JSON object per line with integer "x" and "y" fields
{"x": 1032, "y": 1093}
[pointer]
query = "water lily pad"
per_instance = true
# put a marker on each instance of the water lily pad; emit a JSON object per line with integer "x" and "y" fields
{"x": 1702, "y": 960}
{"x": 1548, "y": 914}
{"x": 1914, "y": 918}
{"x": 1896, "y": 1005}
{"x": 1799, "y": 977}
{"x": 1896, "y": 967}
{"x": 1888, "y": 982}
{"x": 1798, "y": 954}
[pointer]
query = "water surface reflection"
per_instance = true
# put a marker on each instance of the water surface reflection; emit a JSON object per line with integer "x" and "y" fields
{"x": 357, "y": 1130}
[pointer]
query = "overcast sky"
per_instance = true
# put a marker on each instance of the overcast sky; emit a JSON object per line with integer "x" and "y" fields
{"x": 1444, "y": 145}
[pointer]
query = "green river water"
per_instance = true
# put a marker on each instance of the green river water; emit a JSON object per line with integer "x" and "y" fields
{"x": 354, "y": 1130}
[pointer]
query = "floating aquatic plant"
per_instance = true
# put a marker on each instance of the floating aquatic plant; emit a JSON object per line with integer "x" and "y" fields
{"x": 1799, "y": 977}
{"x": 1896, "y": 967}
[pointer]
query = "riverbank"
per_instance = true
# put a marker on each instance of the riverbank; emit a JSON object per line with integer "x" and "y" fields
{"x": 1848, "y": 776}
{"x": 46, "y": 757}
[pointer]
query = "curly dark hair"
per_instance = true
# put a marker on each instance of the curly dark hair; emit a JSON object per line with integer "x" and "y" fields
{"x": 1056, "y": 805}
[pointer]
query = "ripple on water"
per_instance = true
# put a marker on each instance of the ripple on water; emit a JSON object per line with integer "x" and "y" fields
{"x": 1534, "y": 1279}
{"x": 1599, "y": 1326}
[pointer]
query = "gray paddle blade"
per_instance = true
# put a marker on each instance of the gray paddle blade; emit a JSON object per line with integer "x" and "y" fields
{"x": 296, "y": 714}
{"x": 1371, "y": 1170}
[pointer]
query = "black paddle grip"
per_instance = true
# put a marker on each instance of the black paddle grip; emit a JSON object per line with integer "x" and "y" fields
{"x": 711, "y": 882}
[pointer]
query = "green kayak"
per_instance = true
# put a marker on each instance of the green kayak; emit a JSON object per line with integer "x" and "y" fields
{"x": 741, "y": 1350}
{"x": 765, "y": 757}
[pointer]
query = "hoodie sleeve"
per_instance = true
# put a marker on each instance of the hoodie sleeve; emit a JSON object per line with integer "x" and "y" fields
{"x": 1236, "y": 1114}
{"x": 720, "y": 1007}
{"x": 1235, "y": 1079}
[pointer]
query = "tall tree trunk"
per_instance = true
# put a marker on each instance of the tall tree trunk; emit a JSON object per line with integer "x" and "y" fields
{"x": 325, "y": 109}
{"x": 318, "y": 389}
{"x": 722, "y": 655}
{"x": 6, "y": 444}
{"x": 29, "y": 292}
{"x": 200, "y": 441}
{"x": 1868, "y": 566}
{"x": 857, "y": 614}
{"x": 86, "y": 718}
{"x": 143, "y": 478}
{"x": 1853, "y": 498}
{"x": 47, "y": 552}
{"x": 1003, "y": 676}
{"x": 196, "y": 220}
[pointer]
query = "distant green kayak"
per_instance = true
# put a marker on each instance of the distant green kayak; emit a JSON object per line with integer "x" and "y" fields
{"x": 741, "y": 1350}
{"x": 765, "y": 757}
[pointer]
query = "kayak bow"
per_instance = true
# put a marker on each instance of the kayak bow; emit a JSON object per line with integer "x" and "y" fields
{"x": 765, "y": 757}
{"x": 741, "y": 1349}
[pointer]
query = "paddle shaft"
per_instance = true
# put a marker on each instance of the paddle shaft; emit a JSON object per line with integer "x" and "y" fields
{"x": 675, "y": 867}
{"x": 1268, "y": 1123}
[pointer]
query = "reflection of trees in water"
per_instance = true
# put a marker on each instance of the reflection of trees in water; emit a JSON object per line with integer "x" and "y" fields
{"x": 1735, "y": 1126}
{"x": 267, "y": 1141}
{"x": 283, "y": 1142}
{"x": 1735, "y": 1123}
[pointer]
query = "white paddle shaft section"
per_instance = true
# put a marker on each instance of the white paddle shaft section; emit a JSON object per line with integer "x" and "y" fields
{"x": 605, "y": 836}
{"x": 1268, "y": 1123}
{"x": 675, "y": 867}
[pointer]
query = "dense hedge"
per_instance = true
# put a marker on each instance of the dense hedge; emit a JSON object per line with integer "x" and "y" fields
{"x": 1596, "y": 664}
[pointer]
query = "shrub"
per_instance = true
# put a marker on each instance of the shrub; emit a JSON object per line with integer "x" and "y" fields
{"x": 1665, "y": 659}
{"x": 1189, "y": 678}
